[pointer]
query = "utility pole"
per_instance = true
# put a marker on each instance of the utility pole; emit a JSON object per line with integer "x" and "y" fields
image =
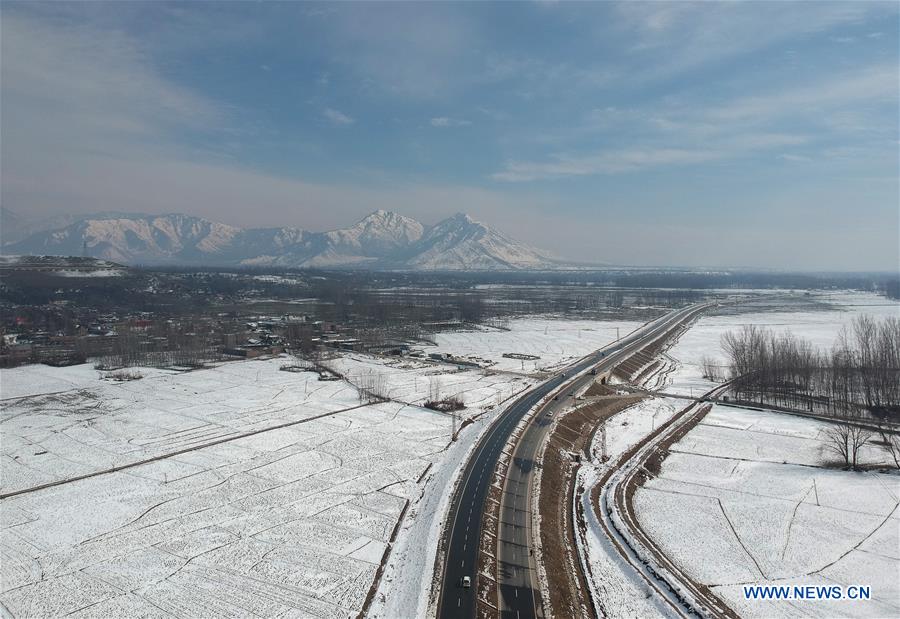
{"x": 617, "y": 334}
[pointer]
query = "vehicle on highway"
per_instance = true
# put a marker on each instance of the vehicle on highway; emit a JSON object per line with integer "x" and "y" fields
{"x": 466, "y": 582}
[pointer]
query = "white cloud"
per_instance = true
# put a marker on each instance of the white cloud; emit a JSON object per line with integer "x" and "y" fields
{"x": 613, "y": 162}
{"x": 336, "y": 117}
{"x": 874, "y": 84}
{"x": 685, "y": 35}
{"x": 622, "y": 160}
{"x": 444, "y": 121}
{"x": 657, "y": 134}
{"x": 494, "y": 114}
{"x": 794, "y": 158}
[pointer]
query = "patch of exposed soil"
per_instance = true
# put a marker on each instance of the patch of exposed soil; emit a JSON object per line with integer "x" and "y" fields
{"x": 599, "y": 389}
{"x": 572, "y": 435}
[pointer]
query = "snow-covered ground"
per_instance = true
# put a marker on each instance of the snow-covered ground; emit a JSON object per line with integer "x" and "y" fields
{"x": 617, "y": 588}
{"x": 411, "y": 381}
{"x": 631, "y": 425}
{"x": 556, "y": 342}
{"x": 96, "y": 273}
{"x": 744, "y": 499}
{"x": 821, "y": 327}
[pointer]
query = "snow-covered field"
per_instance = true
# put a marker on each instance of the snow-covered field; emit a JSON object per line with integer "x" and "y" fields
{"x": 821, "y": 327}
{"x": 77, "y": 423}
{"x": 556, "y": 342}
{"x": 744, "y": 499}
{"x": 290, "y": 521}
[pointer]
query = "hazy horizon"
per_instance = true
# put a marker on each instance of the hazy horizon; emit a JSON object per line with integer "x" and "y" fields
{"x": 679, "y": 134}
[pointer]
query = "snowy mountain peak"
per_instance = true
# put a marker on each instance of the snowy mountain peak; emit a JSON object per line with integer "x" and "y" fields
{"x": 463, "y": 218}
{"x": 389, "y": 222}
{"x": 461, "y": 243}
{"x": 376, "y": 234}
{"x": 380, "y": 239}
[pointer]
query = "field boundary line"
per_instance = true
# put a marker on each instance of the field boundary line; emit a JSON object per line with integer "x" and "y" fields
{"x": 130, "y": 465}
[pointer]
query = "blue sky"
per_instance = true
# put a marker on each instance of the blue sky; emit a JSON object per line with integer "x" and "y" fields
{"x": 739, "y": 134}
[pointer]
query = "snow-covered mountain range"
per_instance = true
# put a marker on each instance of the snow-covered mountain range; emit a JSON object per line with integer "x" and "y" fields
{"x": 382, "y": 239}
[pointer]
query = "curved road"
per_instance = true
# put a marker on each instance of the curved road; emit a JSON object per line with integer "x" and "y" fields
{"x": 518, "y": 582}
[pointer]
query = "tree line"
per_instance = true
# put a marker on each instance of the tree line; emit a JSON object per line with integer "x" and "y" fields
{"x": 858, "y": 377}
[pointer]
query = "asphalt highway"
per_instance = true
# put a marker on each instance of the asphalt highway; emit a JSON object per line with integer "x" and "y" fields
{"x": 518, "y": 582}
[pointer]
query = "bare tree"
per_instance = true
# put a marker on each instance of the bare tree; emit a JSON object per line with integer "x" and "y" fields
{"x": 371, "y": 387}
{"x": 890, "y": 440}
{"x": 434, "y": 389}
{"x": 846, "y": 440}
{"x": 711, "y": 370}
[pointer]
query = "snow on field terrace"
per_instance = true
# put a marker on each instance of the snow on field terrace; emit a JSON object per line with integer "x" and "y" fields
{"x": 744, "y": 499}
{"x": 556, "y": 341}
